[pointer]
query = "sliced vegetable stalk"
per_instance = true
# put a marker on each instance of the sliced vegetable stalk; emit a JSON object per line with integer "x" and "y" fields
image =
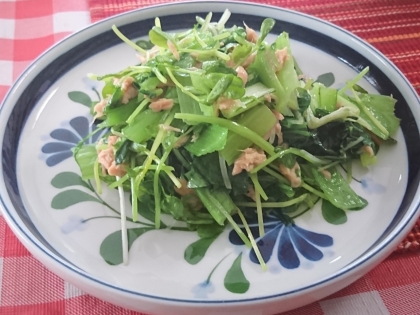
{"x": 287, "y": 75}
{"x": 259, "y": 119}
{"x": 265, "y": 65}
{"x": 254, "y": 95}
{"x": 86, "y": 158}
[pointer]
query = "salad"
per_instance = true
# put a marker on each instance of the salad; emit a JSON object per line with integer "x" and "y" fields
{"x": 216, "y": 127}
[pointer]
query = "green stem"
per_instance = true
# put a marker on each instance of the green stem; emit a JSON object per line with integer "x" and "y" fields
{"x": 179, "y": 228}
{"x": 349, "y": 172}
{"x": 253, "y": 243}
{"x": 137, "y": 110}
{"x": 181, "y": 159}
{"x": 276, "y": 175}
{"x": 134, "y": 197}
{"x": 96, "y": 175}
{"x": 313, "y": 190}
{"x": 126, "y": 40}
{"x": 151, "y": 156}
{"x": 304, "y": 211}
{"x": 354, "y": 81}
{"x": 280, "y": 204}
{"x": 156, "y": 190}
{"x": 232, "y": 126}
{"x": 183, "y": 89}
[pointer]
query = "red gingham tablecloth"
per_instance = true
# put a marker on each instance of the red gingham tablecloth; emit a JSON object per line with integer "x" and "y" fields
{"x": 28, "y": 27}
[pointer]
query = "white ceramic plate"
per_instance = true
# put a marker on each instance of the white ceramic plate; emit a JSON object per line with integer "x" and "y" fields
{"x": 75, "y": 232}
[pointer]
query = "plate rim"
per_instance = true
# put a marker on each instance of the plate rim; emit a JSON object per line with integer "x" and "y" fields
{"x": 369, "y": 259}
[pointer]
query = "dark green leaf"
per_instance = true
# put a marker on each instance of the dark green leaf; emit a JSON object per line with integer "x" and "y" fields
{"x": 235, "y": 280}
{"x": 327, "y": 79}
{"x": 114, "y": 99}
{"x": 197, "y": 250}
{"x": 304, "y": 99}
{"x": 240, "y": 182}
{"x": 146, "y": 206}
{"x": 111, "y": 246}
{"x": 209, "y": 230}
{"x": 173, "y": 205}
{"x": 208, "y": 167}
{"x": 332, "y": 214}
{"x": 122, "y": 152}
{"x": 69, "y": 198}
{"x": 195, "y": 180}
{"x": 217, "y": 202}
{"x": 67, "y": 179}
{"x": 81, "y": 98}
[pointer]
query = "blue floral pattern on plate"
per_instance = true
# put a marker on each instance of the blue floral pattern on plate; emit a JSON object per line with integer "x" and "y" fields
{"x": 66, "y": 139}
{"x": 285, "y": 241}
{"x": 202, "y": 289}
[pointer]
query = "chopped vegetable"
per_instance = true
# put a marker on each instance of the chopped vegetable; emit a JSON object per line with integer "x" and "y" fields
{"x": 216, "y": 126}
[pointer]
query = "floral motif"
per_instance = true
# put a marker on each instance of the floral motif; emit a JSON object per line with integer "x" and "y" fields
{"x": 202, "y": 289}
{"x": 73, "y": 223}
{"x": 371, "y": 187}
{"x": 66, "y": 139}
{"x": 285, "y": 241}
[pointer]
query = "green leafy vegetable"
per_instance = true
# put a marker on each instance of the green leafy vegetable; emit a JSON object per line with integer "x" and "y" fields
{"x": 213, "y": 125}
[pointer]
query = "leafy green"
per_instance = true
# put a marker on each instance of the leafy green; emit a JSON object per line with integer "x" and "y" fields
{"x": 382, "y": 109}
{"x": 179, "y": 161}
{"x": 332, "y": 214}
{"x": 338, "y": 191}
{"x": 144, "y": 126}
{"x": 211, "y": 138}
{"x": 122, "y": 152}
{"x": 265, "y": 65}
{"x": 217, "y": 202}
{"x": 86, "y": 157}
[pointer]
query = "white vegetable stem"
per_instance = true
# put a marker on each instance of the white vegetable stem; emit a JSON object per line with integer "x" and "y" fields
{"x": 123, "y": 224}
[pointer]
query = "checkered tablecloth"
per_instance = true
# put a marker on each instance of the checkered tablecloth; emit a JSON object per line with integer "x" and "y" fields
{"x": 28, "y": 27}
